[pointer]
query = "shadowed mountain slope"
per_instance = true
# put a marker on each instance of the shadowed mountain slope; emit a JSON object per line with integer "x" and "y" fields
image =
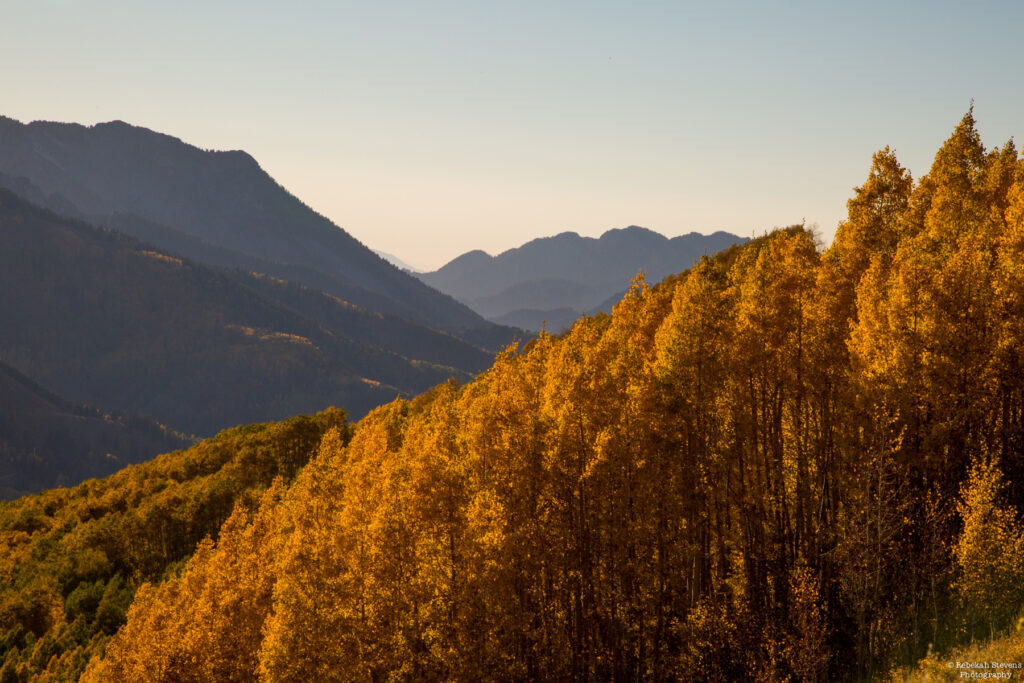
{"x": 219, "y": 208}
{"x": 47, "y": 441}
{"x": 107, "y": 320}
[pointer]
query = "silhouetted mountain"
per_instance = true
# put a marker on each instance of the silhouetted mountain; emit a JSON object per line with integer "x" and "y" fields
{"x": 544, "y": 277}
{"x": 107, "y": 320}
{"x": 542, "y": 294}
{"x": 608, "y": 304}
{"x": 47, "y": 441}
{"x": 395, "y": 261}
{"x": 553, "y": 320}
{"x": 217, "y": 208}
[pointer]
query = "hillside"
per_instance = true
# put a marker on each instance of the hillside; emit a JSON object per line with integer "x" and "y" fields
{"x": 104, "y": 319}
{"x": 46, "y": 441}
{"x": 72, "y": 559}
{"x": 217, "y": 208}
{"x": 996, "y": 657}
{"x": 782, "y": 464}
{"x": 555, "y": 279}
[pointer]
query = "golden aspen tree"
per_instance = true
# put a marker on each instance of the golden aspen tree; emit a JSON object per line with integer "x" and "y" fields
{"x": 691, "y": 358}
{"x": 922, "y": 346}
{"x": 923, "y": 329}
{"x": 578, "y": 413}
{"x": 1009, "y": 342}
{"x": 328, "y": 608}
{"x": 874, "y": 216}
{"x": 989, "y": 552}
{"x": 694, "y": 480}
{"x": 636, "y": 475}
{"x": 773, "y": 292}
{"x": 437, "y": 509}
{"x": 807, "y": 651}
{"x": 207, "y": 624}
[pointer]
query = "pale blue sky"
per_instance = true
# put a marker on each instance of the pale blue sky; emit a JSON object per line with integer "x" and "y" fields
{"x": 428, "y": 129}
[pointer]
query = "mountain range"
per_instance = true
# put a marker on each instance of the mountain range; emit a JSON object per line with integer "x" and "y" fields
{"x": 102, "y": 318}
{"x": 553, "y": 280}
{"x": 169, "y": 285}
{"x": 184, "y": 287}
{"x": 217, "y": 208}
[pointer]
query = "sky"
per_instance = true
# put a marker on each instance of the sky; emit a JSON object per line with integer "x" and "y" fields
{"x": 429, "y": 129}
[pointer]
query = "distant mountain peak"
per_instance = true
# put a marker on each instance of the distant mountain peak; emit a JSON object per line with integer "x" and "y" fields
{"x": 549, "y": 275}
{"x": 567, "y": 234}
{"x": 630, "y": 229}
{"x": 472, "y": 258}
{"x": 396, "y": 262}
{"x": 119, "y": 125}
{"x": 634, "y": 235}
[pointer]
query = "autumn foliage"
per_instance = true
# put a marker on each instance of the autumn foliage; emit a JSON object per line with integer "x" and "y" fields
{"x": 783, "y": 464}
{"x": 72, "y": 559}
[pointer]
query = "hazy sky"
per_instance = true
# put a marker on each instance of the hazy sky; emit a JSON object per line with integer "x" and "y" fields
{"x": 430, "y": 128}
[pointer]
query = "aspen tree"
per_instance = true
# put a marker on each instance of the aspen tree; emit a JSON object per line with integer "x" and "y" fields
{"x": 989, "y": 552}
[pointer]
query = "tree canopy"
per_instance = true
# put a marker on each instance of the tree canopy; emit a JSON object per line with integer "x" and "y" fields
{"x": 786, "y": 463}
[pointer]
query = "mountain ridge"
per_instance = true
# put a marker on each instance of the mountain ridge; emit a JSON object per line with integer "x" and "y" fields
{"x": 225, "y": 200}
{"x": 519, "y": 283}
{"x": 48, "y": 441}
{"x": 103, "y": 318}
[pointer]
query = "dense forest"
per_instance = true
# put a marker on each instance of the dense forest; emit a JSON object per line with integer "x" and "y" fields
{"x": 72, "y": 559}
{"x": 787, "y": 463}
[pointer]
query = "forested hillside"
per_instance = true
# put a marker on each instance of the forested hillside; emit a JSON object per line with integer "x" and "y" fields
{"x": 786, "y": 463}
{"x": 783, "y": 464}
{"x": 72, "y": 559}
{"x": 47, "y": 441}
{"x": 104, "y": 319}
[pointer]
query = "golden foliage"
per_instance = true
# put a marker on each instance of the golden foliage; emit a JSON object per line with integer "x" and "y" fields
{"x": 745, "y": 472}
